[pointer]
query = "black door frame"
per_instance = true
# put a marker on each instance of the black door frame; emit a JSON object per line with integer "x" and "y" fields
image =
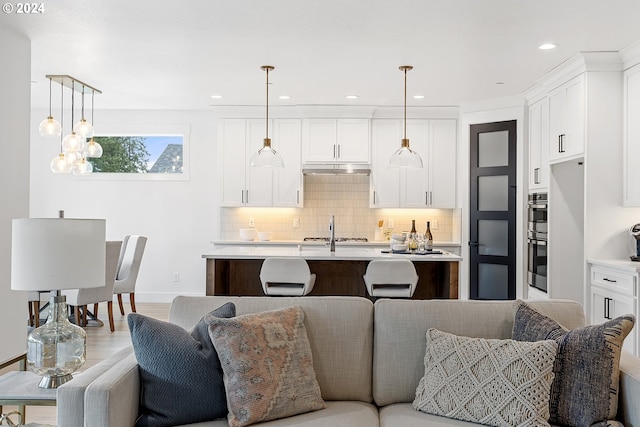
{"x": 475, "y": 215}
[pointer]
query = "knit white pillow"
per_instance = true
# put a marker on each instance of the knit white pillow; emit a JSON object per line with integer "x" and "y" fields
{"x": 487, "y": 381}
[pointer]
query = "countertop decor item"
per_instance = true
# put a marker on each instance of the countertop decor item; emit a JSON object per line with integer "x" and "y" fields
{"x": 405, "y": 157}
{"x": 248, "y": 234}
{"x": 267, "y": 156}
{"x": 55, "y": 254}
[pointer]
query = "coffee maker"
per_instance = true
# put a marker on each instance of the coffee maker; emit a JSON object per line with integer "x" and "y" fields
{"x": 634, "y": 242}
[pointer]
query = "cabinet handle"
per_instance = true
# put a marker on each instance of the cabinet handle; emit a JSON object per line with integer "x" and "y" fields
{"x": 426, "y": 198}
{"x": 338, "y": 150}
{"x": 374, "y": 197}
{"x": 607, "y": 308}
{"x": 430, "y": 197}
{"x": 298, "y": 197}
{"x": 606, "y": 279}
{"x": 561, "y": 143}
{"x": 247, "y": 195}
{"x": 242, "y": 196}
{"x": 536, "y": 176}
{"x": 334, "y": 151}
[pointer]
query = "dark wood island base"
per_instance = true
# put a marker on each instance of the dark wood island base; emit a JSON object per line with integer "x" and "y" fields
{"x": 437, "y": 279}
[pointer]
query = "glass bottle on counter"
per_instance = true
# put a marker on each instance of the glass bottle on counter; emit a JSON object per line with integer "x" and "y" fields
{"x": 428, "y": 237}
{"x": 413, "y": 241}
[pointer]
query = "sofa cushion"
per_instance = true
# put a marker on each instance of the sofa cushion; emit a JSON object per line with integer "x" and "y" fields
{"x": 180, "y": 372}
{"x": 488, "y": 381}
{"x": 340, "y": 331}
{"x": 587, "y": 367}
{"x": 267, "y": 364}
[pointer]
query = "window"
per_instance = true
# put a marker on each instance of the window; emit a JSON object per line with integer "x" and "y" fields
{"x": 150, "y": 151}
{"x": 139, "y": 154}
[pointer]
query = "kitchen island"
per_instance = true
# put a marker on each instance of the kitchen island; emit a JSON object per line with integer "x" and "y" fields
{"x": 235, "y": 270}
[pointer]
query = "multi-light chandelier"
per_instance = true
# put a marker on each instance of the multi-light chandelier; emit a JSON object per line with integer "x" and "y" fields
{"x": 74, "y": 148}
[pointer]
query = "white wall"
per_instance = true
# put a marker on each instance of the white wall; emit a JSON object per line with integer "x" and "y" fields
{"x": 180, "y": 218}
{"x": 487, "y": 112}
{"x": 15, "y": 109}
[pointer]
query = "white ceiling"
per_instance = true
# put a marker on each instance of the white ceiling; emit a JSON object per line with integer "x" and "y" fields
{"x": 176, "y": 54}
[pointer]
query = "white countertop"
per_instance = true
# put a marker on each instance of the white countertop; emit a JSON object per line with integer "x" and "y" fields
{"x": 622, "y": 264}
{"x": 319, "y": 252}
{"x": 382, "y": 244}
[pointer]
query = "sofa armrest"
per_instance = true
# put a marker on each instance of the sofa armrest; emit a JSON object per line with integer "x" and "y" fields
{"x": 113, "y": 398}
{"x": 629, "y": 404}
{"x": 70, "y": 396}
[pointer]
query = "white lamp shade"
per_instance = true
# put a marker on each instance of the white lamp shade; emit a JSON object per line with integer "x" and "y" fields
{"x": 57, "y": 253}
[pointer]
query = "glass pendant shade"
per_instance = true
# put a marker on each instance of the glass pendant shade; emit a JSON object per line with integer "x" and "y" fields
{"x": 60, "y": 164}
{"x": 267, "y": 157}
{"x": 84, "y": 129}
{"x": 405, "y": 157}
{"x": 82, "y": 167}
{"x": 92, "y": 149}
{"x": 50, "y": 127}
{"x": 57, "y": 349}
{"x": 72, "y": 142}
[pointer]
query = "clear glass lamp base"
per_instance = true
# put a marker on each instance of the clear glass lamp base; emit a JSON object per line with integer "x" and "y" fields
{"x": 56, "y": 349}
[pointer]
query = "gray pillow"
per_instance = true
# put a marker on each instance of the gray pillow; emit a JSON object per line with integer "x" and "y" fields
{"x": 587, "y": 366}
{"x": 180, "y": 371}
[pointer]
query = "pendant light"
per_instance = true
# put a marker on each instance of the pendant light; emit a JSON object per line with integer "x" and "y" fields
{"x": 92, "y": 148}
{"x": 61, "y": 163}
{"x": 73, "y": 141}
{"x": 50, "y": 126}
{"x": 405, "y": 157}
{"x": 83, "y": 127}
{"x": 267, "y": 156}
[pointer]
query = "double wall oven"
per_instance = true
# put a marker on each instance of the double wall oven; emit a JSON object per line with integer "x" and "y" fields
{"x": 537, "y": 241}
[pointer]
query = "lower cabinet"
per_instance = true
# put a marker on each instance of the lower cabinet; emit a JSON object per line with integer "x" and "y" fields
{"x": 613, "y": 293}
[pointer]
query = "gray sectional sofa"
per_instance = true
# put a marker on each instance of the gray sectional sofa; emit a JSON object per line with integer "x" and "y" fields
{"x": 368, "y": 359}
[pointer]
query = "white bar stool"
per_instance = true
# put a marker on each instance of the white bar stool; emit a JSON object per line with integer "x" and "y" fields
{"x": 391, "y": 278}
{"x": 286, "y": 277}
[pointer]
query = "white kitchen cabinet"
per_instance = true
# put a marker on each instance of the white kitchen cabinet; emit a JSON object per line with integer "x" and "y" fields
{"x": 336, "y": 140}
{"x": 539, "y": 145}
{"x": 631, "y": 155}
{"x": 243, "y": 185}
{"x": 566, "y": 121}
{"x": 613, "y": 293}
{"x": 434, "y": 185}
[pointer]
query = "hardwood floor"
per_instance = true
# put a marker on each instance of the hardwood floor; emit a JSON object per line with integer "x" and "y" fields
{"x": 101, "y": 343}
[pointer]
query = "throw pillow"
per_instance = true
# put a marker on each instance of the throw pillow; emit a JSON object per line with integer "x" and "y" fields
{"x": 267, "y": 364}
{"x": 487, "y": 381}
{"x": 587, "y": 367}
{"x": 180, "y": 372}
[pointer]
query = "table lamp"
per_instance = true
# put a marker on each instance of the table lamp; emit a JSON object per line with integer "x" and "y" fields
{"x": 55, "y": 254}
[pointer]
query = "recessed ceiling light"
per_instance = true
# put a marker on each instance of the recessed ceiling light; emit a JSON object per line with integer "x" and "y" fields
{"x": 284, "y": 97}
{"x": 499, "y": 83}
{"x": 216, "y": 96}
{"x": 418, "y": 96}
{"x": 351, "y": 96}
{"x": 547, "y": 46}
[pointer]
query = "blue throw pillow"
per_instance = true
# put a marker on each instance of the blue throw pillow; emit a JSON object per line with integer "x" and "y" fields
{"x": 180, "y": 371}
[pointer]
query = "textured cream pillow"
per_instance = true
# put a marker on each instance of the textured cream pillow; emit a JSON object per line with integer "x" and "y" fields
{"x": 267, "y": 364}
{"x": 486, "y": 381}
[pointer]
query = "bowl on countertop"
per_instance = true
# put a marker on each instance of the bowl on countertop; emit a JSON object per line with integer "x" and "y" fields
{"x": 265, "y": 236}
{"x": 248, "y": 234}
{"x": 399, "y": 247}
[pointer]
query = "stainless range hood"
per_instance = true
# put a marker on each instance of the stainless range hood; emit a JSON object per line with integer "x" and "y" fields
{"x": 336, "y": 169}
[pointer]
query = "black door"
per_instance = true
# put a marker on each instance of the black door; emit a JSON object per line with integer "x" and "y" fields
{"x": 492, "y": 211}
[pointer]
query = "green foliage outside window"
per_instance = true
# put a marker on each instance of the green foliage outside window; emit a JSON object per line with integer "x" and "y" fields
{"x": 121, "y": 154}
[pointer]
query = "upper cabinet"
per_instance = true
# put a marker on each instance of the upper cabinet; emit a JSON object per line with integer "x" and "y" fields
{"x": 243, "y": 185}
{"x": 335, "y": 140}
{"x": 566, "y": 121}
{"x": 433, "y": 186}
{"x": 631, "y": 136}
{"x": 539, "y": 145}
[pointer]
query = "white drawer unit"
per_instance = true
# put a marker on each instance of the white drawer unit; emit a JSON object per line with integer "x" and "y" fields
{"x": 613, "y": 292}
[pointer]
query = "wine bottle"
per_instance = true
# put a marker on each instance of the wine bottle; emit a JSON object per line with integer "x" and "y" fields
{"x": 428, "y": 237}
{"x": 413, "y": 242}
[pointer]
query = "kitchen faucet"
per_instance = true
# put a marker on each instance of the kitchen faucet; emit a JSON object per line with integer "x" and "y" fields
{"x": 332, "y": 239}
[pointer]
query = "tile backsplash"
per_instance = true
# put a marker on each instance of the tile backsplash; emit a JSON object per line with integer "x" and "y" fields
{"x": 347, "y": 198}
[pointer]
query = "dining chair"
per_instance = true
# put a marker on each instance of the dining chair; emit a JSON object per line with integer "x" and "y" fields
{"x": 81, "y": 298}
{"x": 391, "y": 278}
{"x": 128, "y": 268}
{"x": 286, "y": 276}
